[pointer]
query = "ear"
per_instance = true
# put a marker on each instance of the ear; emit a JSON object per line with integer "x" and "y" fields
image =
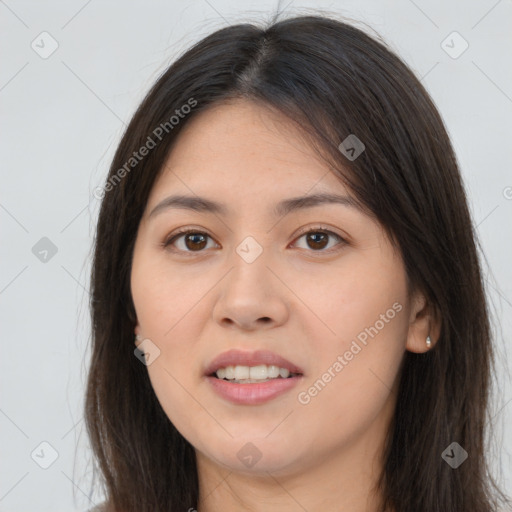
{"x": 424, "y": 320}
{"x": 136, "y": 331}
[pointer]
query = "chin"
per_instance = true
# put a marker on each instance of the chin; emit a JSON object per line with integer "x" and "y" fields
{"x": 254, "y": 455}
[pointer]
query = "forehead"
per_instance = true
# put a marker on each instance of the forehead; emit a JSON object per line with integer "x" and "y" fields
{"x": 242, "y": 148}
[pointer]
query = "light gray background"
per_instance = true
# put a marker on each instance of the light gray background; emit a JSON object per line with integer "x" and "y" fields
{"x": 62, "y": 118}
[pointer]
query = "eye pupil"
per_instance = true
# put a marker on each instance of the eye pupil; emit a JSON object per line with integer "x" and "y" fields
{"x": 313, "y": 237}
{"x": 196, "y": 244}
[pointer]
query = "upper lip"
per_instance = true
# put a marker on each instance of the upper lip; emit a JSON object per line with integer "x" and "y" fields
{"x": 236, "y": 357}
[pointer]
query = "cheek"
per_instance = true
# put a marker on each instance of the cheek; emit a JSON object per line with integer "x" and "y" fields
{"x": 364, "y": 299}
{"x": 167, "y": 308}
{"x": 175, "y": 392}
{"x": 353, "y": 386}
{"x": 165, "y": 299}
{"x": 170, "y": 320}
{"x": 358, "y": 362}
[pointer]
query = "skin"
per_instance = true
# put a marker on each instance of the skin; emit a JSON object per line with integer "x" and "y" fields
{"x": 305, "y": 302}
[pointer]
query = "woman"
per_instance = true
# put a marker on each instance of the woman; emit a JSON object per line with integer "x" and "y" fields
{"x": 288, "y": 310}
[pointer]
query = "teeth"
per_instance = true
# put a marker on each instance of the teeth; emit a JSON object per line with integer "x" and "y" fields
{"x": 250, "y": 374}
{"x": 260, "y": 372}
{"x": 273, "y": 371}
{"x": 241, "y": 372}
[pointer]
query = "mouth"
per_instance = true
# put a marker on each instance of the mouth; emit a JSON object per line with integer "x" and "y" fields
{"x": 256, "y": 365}
{"x": 241, "y": 374}
{"x": 251, "y": 378}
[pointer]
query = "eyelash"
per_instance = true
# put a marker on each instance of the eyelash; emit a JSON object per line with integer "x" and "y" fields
{"x": 317, "y": 229}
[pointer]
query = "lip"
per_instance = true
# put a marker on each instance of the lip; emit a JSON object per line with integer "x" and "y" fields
{"x": 256, "y": 392}
{"x": 252, "y": 394}
{"x": 236, "y": 357}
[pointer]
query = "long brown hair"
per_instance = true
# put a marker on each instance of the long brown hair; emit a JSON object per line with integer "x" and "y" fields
{"x": 333, "y": 80}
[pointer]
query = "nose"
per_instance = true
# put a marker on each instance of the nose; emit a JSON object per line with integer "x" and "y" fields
{"x": 251, "y": 297}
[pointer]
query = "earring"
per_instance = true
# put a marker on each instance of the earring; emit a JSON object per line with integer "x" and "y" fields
{"x": 138, "y": 337}
{"x": 429, "y": 341}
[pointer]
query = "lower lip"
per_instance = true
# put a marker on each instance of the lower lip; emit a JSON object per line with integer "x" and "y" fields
{"x": 252, "y": 394}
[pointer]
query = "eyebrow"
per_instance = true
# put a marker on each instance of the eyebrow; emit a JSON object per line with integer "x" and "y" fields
{"x": 202, "y": 204}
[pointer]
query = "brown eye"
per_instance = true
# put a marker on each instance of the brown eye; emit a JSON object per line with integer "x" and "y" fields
{"x": 318, "y": 240}
{"x": 189, "y": 241}
{"x": 195, "y": 241}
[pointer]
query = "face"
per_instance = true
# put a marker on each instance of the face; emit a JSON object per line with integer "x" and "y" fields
{"x": 317, "y": 286}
